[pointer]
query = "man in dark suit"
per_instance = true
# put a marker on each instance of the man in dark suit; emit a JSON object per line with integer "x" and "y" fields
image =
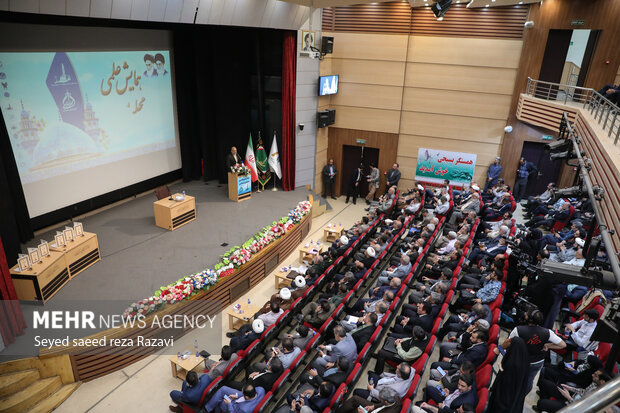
{"x": 525, "y": 170}
{"x": 232, "y": 159}
{"x": 362, "y": 333}
{"x": 422, "y": 317}
{"x": 335, "y": 375}
{"x": 388, "y": 403}
{"x": 476, "y": 353}
{"x": 354, "y": 185}
{"x": 264, "y": 378}
{"x": 464, "y": 394}
{"x": 329, "y": 177}
{"x": 393, "y": 176}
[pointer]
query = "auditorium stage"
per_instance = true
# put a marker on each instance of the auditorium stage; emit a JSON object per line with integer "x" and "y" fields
{"x": 139, "y": 257}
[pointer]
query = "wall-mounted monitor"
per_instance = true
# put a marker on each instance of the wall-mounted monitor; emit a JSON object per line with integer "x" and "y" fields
{"x": 328, "y": 85}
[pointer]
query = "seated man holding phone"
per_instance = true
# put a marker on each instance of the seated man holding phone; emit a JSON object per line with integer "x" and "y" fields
{"x": 227, "y": 399}
{"x": 463, "y": 394}
{"x": 437, "y": 390}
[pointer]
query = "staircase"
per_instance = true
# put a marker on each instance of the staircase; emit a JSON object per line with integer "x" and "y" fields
{"x": 27, "y": 386}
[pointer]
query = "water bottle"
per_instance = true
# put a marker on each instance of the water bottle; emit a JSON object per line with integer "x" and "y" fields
{"x": 183, "y": 194}
{"x": 178, "y": 355}
{"x": 197, "y": 356}
{"x": 249, "y": 301}
{"x": 196, "y": 345}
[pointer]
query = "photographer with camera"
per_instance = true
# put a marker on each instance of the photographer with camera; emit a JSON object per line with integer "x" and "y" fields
{"x": 539, "y": 341}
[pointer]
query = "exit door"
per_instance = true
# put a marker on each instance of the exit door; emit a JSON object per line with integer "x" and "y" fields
{"x": 352, "y": 157}
{"x": 548, "y": 170}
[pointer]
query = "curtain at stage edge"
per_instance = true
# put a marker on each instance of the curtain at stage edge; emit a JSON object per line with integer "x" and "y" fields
{"x": 12, "y": 321}
{"x": 289, "y": 60}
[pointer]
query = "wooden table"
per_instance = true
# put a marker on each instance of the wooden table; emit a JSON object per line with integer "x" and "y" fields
{"x": 236, "y": 319}
{"x": 43, "y": 280}
{"x": 306, "y": 256}
{"x": 332, "y": 232}
{"x": 80, "y": 253}
{"x": 181, "y": 367}
{"x": 171, "y": 214}
{"x": 282, "y": 279}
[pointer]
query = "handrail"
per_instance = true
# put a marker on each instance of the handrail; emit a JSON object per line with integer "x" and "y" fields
{"x": 587, "y": 183}
{"x": 596, "y": 401}
{"x": 605, "y": 113}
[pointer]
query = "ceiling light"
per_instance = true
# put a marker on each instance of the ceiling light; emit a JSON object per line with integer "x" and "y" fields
{"x": 486, "y": 5}
{"x": 520, "y": 2}
{"x": 493, "y": 1}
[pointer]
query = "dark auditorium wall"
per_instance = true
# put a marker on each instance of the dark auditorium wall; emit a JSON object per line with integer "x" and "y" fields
{"x": 558, "y": 14}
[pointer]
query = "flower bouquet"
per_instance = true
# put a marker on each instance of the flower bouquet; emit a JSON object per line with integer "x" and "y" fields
{"x": 240, "y": 169}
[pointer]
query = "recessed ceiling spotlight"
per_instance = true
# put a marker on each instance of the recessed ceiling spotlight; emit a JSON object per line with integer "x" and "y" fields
{"x": 520, "y": 2}
{"x": 486, "y": 5}
{"x": 493, "y": 1}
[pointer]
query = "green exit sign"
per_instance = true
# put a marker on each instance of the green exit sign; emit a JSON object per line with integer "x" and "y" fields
{"x": 577, "y": 23}
{"x": 361, "y": 141}
{"x": 547, "y": 138}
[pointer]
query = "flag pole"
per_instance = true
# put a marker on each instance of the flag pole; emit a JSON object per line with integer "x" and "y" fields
{"x": 274, "y": 182}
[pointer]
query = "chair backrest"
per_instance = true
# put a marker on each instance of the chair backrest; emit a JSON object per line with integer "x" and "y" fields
{"x": 266, "y": 399}
{"x": 483, "y": 376}
{"x": 211, "y": 385}
{"x": 354, "y": 374}
{"x": 413, "y": 387}
{"x": 162, "y": 192}
{"x": 232, "y": 366}
{"x": 483, "y": 395}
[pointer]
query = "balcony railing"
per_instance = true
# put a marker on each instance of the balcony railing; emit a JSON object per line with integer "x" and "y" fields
{"x": 605, "y": 113}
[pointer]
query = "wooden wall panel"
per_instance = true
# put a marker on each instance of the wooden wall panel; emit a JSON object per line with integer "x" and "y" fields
{"x": 379, "y": 120}
{"x": 398, "y": 17}
{"x": 369, "y": 46}
{"x": 387, "y": 143}
{"x": 368, "y": 96}
{"x": 481, "y": 105}
{"x": 465, "y": 78}
{"x": 320, "y": 158}
{"x": 368, "y": 71}
{"x": 465, "y": 51}
{"x": 449, "y": 126}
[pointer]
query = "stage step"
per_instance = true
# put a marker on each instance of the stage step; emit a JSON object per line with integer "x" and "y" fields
{"x": 28, "y": 397}
{"x": 15, "y": 381}
{"x": 18, "y": 365}
{"x": 55, "y": 400}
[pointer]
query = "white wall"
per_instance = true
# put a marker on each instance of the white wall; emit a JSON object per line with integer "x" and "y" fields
{"x": 307, "y": 101}
{"x": 577, "y": 49}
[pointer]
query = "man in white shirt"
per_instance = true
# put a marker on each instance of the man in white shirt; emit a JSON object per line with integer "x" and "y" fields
{"x": 578, "y": 260}
{"x": 443, "y": 206}
{"x": 581, "y": 331}
{"x": 272, "y": 316}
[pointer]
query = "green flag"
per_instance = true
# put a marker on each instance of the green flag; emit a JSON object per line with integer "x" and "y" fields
{"x": 262, "y": 163}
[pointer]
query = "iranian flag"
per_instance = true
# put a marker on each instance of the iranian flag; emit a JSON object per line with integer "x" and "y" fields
{"x": 250, "y": 161}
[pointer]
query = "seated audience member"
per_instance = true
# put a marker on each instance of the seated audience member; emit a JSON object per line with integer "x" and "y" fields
{"x": 400, "y": 272}
{"x": 548, "y": 220}
{"x": 542, "y": 199}
{"x": 487, "y": 294}
{"x": 335, "y": 375}
{"x": 429, "y": 286}
{"x": 216, "y": 369}
{"x": 476, "y": 353}
{"x": 580, "y": 332}
{"x": 488, "y": 252}
{"x": 315, "y": 399}
{"x": 459, "y": 341}
{"x": 284, "y": 298}
{"x": 402, "y": 349}
{"x": 263, "y": 377}
{"x": 459, "y": 322}
{"x": 434, "y": 268}
{"x": 389, "y": 402}
{"x": 301, "y": 337}
{"x": 461, "y": 212}
{"x": 328, "y": 354}
{"x": 464, "y": 394}
{"x": 242, "y": 341}
{"x": 611, "y": 92}
{"x": 287, "y": 354}
{"x": 316, "y": 314}
{"x": 191, "y": 390}
{"x": 399, "y": 382}
{"x": 578, "y": 372}
{"x": 229, "y": 400}
{"x": 447, "y": 381}
{"x": 553, "y": 397}
{"x": 406, "y": 321}
{"x": 364, "y": 329}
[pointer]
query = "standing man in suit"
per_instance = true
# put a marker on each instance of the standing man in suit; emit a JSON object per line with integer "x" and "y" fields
{"x": 329, "y": 177}
{"x": 525, "y": 170}
{"x": 354, "y": 185}
{"x": 232, "y": 158}
{"x": 493, "y": 173}
{"x": 392, "y": 176}
{"x": 374, "y": 180}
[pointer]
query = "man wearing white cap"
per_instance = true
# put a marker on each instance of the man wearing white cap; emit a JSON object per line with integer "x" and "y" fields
{"x": 248, "y": 335}
{"x": 493, "y": 173}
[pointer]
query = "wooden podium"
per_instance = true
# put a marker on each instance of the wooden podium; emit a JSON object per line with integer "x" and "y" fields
{"x": 43, "y": 280}
{"x": 80, "y": 254}
{"x": 171, "y": 214}
{"x": 239, "y": 187}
